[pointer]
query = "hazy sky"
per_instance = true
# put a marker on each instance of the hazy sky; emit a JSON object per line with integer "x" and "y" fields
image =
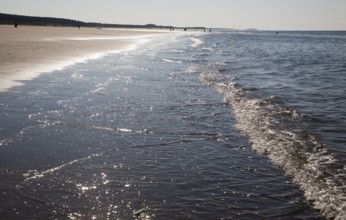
{"x": 239, "y": 14}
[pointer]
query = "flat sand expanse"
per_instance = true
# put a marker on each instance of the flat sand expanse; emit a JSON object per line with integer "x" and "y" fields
{"x": 29, "y": 50}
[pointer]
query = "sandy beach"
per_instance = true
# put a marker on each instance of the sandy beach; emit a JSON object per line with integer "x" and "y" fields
{"x": 27, "y": 51}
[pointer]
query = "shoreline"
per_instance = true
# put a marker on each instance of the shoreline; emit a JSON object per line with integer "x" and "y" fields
{"x": 28, "y": 51}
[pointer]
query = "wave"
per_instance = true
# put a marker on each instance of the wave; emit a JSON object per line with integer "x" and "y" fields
{"x": 196, "y": 41}
{"x": 171, "y": 60}
{"x": 5, "y": 142}
{"x": 34, "y": 174}
{"x": 280, "y": 133}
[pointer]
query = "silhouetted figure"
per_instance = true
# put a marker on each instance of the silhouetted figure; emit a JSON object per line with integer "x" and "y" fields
{"x": 209, "y": 30}
{"x": 185, "y": 29}
{"x": 15, "y": 24}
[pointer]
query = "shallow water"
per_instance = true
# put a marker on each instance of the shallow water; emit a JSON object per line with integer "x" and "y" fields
{"x": 196, "y": 126}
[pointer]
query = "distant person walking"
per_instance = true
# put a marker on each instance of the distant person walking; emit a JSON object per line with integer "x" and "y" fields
{"x": 15, "y": 24}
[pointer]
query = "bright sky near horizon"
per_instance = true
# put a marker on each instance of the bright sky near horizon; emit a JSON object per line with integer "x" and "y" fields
{"x": 238, "y": 14}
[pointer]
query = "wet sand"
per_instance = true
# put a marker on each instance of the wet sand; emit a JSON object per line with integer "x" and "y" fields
{"x": 27, "y": 51}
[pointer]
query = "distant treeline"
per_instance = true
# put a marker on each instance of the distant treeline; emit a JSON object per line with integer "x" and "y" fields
{"x": 48, "y": 21}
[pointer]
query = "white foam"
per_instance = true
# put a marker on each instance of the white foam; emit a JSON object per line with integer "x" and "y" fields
{"x": 278, "y": 133}
{"x": 171, "y": 60}
{"x": 196, "y": 41}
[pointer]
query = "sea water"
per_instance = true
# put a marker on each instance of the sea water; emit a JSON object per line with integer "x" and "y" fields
{"x": 220, "y": 125}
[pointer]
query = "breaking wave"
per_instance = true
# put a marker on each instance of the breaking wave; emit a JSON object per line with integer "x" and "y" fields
{"x": 280, "y": 133}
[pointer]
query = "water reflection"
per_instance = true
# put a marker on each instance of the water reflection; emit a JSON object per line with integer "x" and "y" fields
{"x": 152, "y": 144}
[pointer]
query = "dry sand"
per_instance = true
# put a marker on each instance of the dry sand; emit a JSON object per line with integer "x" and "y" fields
{"x": 27, "y": 51}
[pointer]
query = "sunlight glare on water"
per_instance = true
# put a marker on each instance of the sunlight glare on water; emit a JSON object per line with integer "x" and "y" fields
{"x": 193, "y": 126}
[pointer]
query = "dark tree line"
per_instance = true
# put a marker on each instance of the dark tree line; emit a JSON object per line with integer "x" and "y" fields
{"x": 48, "y": 21}
{"x": 30, "y": 20}
{"x": 11, "y": 19}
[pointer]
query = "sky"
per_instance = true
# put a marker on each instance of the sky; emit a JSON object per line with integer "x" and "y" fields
{"x": 237, "y": 14}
